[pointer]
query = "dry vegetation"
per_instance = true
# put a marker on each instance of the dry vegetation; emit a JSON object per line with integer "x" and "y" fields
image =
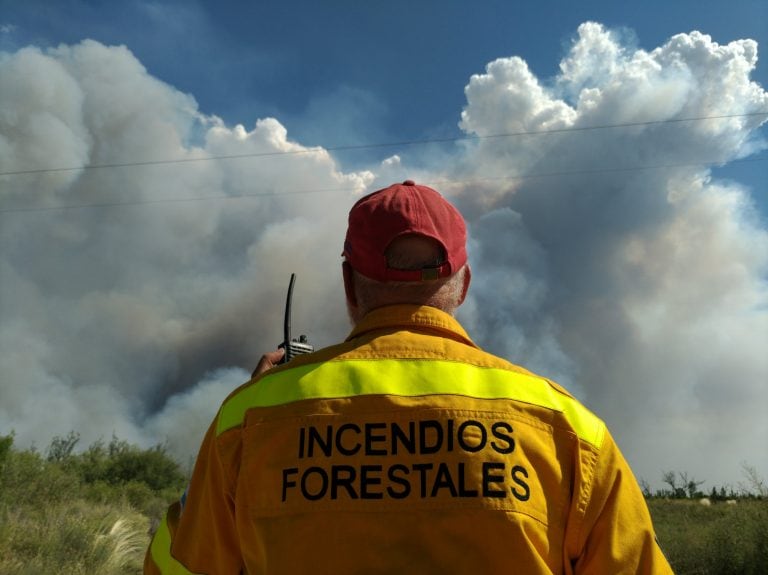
{"x": 79, "y": 514}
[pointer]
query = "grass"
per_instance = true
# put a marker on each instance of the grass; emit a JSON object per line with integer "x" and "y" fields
{"x": 73, "y": 538}
{"x": 717, "y": 540}
{"x": 81, "y": 514}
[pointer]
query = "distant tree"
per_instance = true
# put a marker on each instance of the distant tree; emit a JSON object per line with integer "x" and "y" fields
{"x": 690, "y": 485}
{"x": 755, "y": 484}
{"x": 61, "y": 448}
{"x": 670, "y": 478}
{"x": 646, "y": 487}
{"x": 681, "y": 485}
{"x": 6, "y": 443}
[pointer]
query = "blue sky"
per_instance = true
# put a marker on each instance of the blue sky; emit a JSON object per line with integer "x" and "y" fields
{"x": 405, "y": 63}
{"x": 348, "y": 73}
{"x": 625, "y": 262}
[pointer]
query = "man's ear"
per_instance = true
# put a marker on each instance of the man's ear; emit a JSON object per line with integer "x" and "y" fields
{"x": 349, "y": 283}
{"x": 467, "y": 281}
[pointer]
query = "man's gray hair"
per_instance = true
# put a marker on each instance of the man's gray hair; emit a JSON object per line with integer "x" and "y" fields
{"x": 412, "y": 252}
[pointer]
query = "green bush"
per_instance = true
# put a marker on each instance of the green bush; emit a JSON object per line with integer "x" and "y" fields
{"x": 121, "y": 463}
{"x": 80, "y": 513}
{"x": 127, "y": 463}
{"x": 26, "y": 478}
{"x": 6, "y": 442}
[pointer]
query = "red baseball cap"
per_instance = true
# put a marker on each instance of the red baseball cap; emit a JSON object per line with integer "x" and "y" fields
{"x": 403, "y": 209}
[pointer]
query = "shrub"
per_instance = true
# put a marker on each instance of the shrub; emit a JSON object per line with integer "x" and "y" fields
{"x": 61, "y": 448}
{"x": 121, "y": 463}
{"x": 27, "y": 478}
{"x": 151, "y": 466}
{"x": 70, "y": 513}
{"x": 6, "y": 442}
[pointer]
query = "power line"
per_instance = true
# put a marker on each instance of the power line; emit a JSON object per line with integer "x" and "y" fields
{"x": 341, "y": 190}
{"x": 353, "y": 147}
{"x": 174, "y": 200}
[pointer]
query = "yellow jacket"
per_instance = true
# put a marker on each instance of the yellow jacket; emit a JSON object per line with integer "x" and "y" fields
{"x": 406, "y": 449}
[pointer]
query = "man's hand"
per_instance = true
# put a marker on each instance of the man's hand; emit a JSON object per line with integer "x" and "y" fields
{"x": 268, "y": 361}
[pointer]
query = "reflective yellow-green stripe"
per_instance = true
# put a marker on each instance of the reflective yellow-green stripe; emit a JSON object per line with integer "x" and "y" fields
{"x": 161, "y": 552}
{"x": 408, "y": 378}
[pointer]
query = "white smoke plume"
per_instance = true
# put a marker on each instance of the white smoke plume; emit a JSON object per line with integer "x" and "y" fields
{"x": 165, "y": 273}
{"x": 632, "y": 272}
{"x": 134, "y": 297}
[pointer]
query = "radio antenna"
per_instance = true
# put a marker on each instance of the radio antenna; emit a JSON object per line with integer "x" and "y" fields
{"x": 287, "y": 321}
{"x": 293, "y": 347}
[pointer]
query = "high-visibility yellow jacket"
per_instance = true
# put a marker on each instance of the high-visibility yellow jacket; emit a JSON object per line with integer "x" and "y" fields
{"x": 406, "y": 449}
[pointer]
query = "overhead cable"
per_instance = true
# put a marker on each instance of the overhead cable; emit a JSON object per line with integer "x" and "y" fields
{"x": 351, "y": 147}
{"x": 222, "y": 197}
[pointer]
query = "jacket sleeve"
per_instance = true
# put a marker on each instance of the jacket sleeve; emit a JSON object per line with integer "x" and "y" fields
{"x": 198, "y": 534}
{"x": 616, "y": 534}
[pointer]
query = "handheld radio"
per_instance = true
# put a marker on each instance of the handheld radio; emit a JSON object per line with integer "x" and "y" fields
{"x": 293, "y": 347}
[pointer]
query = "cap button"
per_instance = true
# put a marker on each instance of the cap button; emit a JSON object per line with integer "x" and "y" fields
{"x": 409, "y": 183}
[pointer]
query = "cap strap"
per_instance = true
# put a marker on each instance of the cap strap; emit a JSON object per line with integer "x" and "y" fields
{"x": 422, "y": 274}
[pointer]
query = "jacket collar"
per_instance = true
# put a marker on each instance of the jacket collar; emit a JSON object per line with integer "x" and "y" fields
{"x": 413, "y": 318}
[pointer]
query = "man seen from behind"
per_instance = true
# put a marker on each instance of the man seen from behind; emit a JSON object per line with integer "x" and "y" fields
{"x": 406, "y": 448}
